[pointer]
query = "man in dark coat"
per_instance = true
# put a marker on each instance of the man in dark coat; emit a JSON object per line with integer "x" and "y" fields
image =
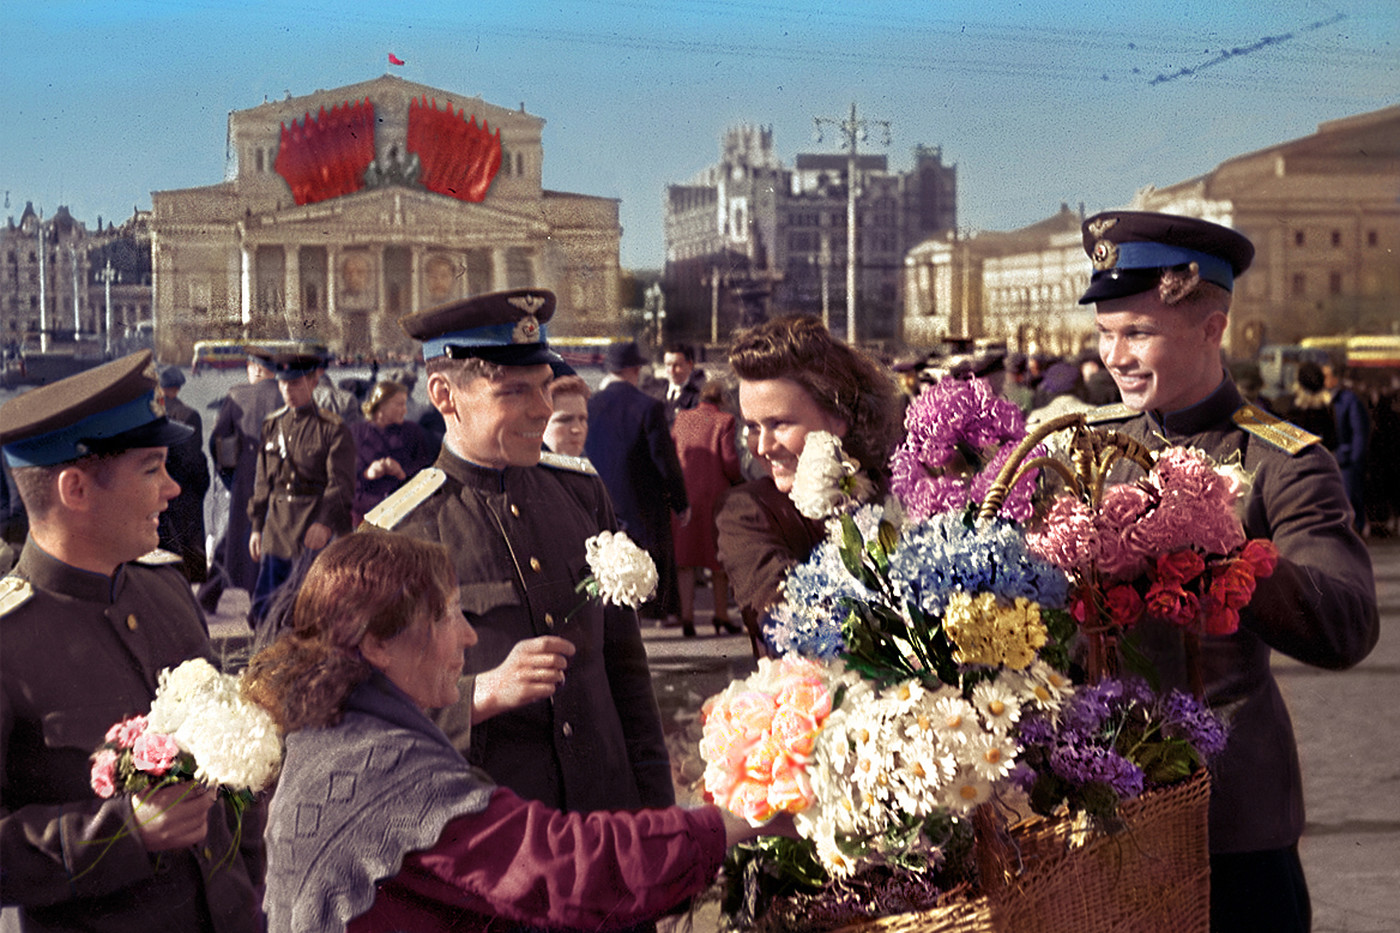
{"x": 89, "y": 617}
{"x": 305, "y": 482}
{"x": 1162, "y": 288}
{"x": 515, "y": 522}
{"x": 630, "y": 445}
{"x": 182, "y": 523}
{"x": 683, "y": 380}
{"x": 233, "y": 443}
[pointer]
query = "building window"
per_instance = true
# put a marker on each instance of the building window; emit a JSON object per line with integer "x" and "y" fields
{"x": 1298, "y": 238}
{"x": 1334, "y": 283}
{"x": 520, "y": 163}
{"x": 1300, "y": 285}
{"x": 1336, "y": 238}
{"x": 1371, "y": 238}
{"x": 258, "y": 161}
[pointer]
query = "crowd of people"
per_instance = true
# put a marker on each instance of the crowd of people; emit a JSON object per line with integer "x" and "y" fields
{"x": 470, "y": 744}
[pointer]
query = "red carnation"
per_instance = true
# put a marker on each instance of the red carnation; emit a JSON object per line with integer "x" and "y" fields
{"x": 1180, "y": 567}
{"x": 1124, "y": 605}
{"x": 1261, "y": 555}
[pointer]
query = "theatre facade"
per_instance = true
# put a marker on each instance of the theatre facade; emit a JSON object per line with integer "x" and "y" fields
{"x": 345, "y": 209}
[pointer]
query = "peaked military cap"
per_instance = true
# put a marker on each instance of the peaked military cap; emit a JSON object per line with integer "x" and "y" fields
{"x": 106, "y": 409}
{"x": 1130, "y": 248}
{"x": 505, "y": 327}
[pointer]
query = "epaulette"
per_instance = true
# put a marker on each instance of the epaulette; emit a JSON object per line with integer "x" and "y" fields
{"x": 406, "y": 498}
{"x": 159, "y": 558}
{"x": 276, "y": 414}
{"x": 1282, "y": 434}
{"x": 565, "y": 462}
{"x": 1105, "y": 413}
{"x": 329, "y": 416}
{"x": 14, "y": 592}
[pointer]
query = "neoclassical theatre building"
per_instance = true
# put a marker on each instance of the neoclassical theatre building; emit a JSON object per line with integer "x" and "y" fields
{"x": 345, "y": 209}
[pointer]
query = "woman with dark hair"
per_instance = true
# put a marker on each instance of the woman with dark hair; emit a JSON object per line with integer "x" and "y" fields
{"x": 796, "y": 378}
{"x": 379, "y": 824}
{"x": 388, "y": 449}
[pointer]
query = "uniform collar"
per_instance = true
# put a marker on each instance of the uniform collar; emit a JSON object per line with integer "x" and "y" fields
{"x": 473, "y": 475}
{"x": 1201, "y": 417}
{"x": 46, "y": 572}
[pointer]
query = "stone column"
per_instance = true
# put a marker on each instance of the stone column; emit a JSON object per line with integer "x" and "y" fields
{"x": 500, "y": 269}
{"x": 291, "y": 291}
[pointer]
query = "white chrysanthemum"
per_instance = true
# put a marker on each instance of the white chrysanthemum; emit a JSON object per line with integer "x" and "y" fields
{"x": 625, "y": 573}
{"x": 999, "y": 706}
{"x": 235, "y": 743}
{"x": 816, "y": 483}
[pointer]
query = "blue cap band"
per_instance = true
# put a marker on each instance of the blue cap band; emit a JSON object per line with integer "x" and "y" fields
{"x": 62, "y": 445}
{"x": 492, "y": 335}
{"x": 1137, "y": 255}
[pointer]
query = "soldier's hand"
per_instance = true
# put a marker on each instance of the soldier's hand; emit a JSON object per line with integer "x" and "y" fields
{"x": 255, "y": 545}
{"x": 317, "y": 536}
{"x": 532, "y": 671}
{"x": 173, "y": 817}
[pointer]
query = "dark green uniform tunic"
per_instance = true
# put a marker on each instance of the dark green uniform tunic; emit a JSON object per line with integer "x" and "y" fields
{"x": 306, "y": 474}
{"x": 1319, "y": 607}
{"x": 517, "y": 538}
{"x": 79, "y": 652}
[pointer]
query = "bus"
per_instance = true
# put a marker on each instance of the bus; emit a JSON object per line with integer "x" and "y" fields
{"x": 233, "y": 354}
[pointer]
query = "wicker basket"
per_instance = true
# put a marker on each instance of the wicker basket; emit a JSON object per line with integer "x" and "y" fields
{"x": 1152, "y": 876}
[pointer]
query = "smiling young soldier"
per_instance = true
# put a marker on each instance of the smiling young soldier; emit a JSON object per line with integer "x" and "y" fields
{"x": 1162, "y": 287}
{"x": 89, "y": 617}
{"x": 515, "y": 522}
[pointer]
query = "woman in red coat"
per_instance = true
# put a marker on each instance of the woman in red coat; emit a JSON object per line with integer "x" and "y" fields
{"x": 705, "y": 443}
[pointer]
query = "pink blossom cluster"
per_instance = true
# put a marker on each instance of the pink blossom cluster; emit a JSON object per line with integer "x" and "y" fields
{"x": 1183, "y": 504}
{"x": 758, "y": 738}
{"x": 958, "y": 435}
{"x": 129, "y": 750}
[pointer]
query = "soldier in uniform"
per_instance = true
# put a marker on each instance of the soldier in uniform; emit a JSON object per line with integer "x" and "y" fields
{"x": 89, "y": 617}
{"x": 305, "y": 481}
{"x": 516, "y": 522}
{"x": 182, "y": 523}
{"x": 1162, "y": 288}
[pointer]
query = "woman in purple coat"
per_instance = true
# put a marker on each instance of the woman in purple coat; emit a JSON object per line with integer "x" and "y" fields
{"x": 388, "y": 449}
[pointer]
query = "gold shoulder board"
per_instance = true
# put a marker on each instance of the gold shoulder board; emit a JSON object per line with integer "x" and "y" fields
{"x": 159, "y": 558}
{"x": 330, "y": 416}
{"x": 1103, "y": 413}
{"x": 405, "y": 499}
{"x": 1275, "y": 430}
{"x": 565, "y": 462}
{"x": 14, "y": 592}
{"x": 276, "y": 414}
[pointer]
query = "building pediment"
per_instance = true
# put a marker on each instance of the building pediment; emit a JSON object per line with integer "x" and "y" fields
{"x": 412, "y": 212}
{"x": 387, "y": 93}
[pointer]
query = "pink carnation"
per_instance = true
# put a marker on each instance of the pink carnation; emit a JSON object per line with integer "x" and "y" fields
{"x": 154, "y": 753}
{"x": 1123, "y": 504}
{"x": 1064, "y": 538}
{"x": 104, "y": 773}
{"x": 125, "y": 733}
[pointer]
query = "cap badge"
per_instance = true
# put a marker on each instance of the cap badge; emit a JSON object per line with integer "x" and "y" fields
{"x": 1098, "y": 228}
{"x": 158, "y": 404}
{"x": 1105, "y": 255}
{"x": 530, "y": 304}
{"x": 527, "y": 330}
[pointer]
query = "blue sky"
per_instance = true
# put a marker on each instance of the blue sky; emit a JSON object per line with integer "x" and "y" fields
{"x": 1037, "y": 102}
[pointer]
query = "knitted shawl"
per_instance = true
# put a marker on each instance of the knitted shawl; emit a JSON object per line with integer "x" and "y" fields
{"x": 352, "y": 800}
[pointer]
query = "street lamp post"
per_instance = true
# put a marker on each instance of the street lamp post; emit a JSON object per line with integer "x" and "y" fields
{"x": 107, "y": 275}
{"x": 853, "y": 130}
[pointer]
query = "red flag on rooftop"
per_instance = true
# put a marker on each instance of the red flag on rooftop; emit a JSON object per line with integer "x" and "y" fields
{"x": 395, "y": 60}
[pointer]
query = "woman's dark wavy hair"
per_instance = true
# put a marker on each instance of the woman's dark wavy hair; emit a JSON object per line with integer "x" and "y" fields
{"x": 842, "y": 380}
{"x": 370, "y": 582}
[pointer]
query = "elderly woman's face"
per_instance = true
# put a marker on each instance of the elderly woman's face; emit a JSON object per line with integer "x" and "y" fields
{"x": 426, "y": 661}
{"x": 779, "y": 415}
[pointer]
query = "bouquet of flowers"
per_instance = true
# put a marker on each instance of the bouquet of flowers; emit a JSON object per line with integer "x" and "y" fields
{"x": 1109, "y": 742}
{"x": 933, "y": 640}
{"x": 1170, "y": 547}
{"x": 199, "y": 730}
